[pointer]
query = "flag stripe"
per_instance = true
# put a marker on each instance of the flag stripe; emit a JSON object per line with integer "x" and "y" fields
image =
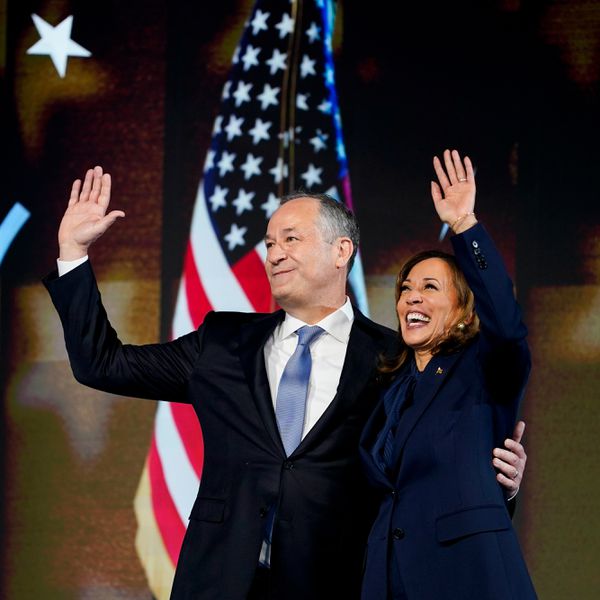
{"x": 170, "y": 525}
{"x": 190, "y": 434}
{"x": 250, "y": 273}
{"x": 198, "y": 303}
{"x": 182, "y": 322}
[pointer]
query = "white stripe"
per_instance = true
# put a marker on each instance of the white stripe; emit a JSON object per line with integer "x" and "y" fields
{"x": 182, "y": 322}
{"x": 261, "y": 250}
{"x": 220, "y": 284}
{"x": 180, "y": 477}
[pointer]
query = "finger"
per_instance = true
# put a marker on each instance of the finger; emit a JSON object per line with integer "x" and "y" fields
{"x": 471, "y": 178}
{"x": 458, "y": 167}
{"x": 74, "y": 197}
{"x": 516, "y": 448}
{"x": 436, "y": 192}
{"x": 104, "y": 196}
{"x": 450, "y": 167}
{"x": 87, "y": 186}
{"x": 508, "y": 469}
{"x": 506, "y": 482}
{"x": 517, "y": 435}
{"x": 107, "y": 221}
{"x": 96, "y": 184}
{"x": 506, "y": 456}
{"x": 441, "y": 174}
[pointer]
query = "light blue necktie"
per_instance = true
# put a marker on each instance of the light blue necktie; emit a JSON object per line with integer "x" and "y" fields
{"x": 293, "y": 389}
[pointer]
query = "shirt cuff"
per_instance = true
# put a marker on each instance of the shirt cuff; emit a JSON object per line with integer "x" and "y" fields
{"x": 64, "y": 266}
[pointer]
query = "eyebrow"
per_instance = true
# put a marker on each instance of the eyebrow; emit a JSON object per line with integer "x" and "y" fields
{"x": 424, "y": 279}
{"x": 286, "y": 230}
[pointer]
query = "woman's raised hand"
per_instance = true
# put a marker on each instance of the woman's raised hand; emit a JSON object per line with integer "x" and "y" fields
{"x": 85, "y": 219}
{"x": 454, "y": 195}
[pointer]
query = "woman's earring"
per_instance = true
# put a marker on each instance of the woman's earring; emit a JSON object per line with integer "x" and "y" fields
{"x": 461, "y": 326}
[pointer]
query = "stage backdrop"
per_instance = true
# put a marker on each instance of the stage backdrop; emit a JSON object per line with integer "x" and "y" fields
{"x": 204, "y": 113}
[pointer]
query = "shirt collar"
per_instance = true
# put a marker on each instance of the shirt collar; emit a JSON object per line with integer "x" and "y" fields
{"x": 338, "y": 324}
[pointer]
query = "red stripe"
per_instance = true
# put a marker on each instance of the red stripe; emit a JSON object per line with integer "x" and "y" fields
{"x": 190, "y": 434}
{"x": 197, "y": 300}
{"x": 169, "y": 524}
{"x": 250, "y": 272}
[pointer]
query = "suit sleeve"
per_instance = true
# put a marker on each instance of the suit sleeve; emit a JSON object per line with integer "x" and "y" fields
{"x": 503, "y": 348}
{"x": 97, "y": 356}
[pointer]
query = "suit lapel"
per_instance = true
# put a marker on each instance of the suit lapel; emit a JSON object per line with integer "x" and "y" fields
{"x": 253, "y": 337}
{"x": 431, "y": 381}
{"x": 359, "y": 364}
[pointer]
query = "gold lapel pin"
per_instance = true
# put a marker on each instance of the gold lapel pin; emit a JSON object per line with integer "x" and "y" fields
{"x": 439, "y": 371}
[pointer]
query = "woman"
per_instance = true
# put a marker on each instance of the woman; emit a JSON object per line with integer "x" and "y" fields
{"x": 443, "y": 530}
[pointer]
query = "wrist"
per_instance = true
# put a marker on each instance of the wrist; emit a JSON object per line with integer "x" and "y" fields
{"x": 71, "y": 252}
{"x": 463, "y": 222}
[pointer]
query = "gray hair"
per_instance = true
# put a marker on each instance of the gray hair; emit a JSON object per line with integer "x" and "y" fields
{"x": 336, "y": 219}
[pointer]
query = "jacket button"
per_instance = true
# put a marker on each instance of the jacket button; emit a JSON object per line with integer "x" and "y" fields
{"x": 398, "y": 533}
{"x": 288, "y": 465}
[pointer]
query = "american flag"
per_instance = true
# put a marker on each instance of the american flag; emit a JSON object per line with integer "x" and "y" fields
{"x": 278, "y": 129}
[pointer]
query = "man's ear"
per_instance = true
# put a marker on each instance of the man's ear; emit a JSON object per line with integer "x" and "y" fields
{"x": 345, "y": 248}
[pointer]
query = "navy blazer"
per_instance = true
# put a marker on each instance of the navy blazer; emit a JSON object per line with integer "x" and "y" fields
{"x": 442, "y": 517}
{"x": 324, "y": 504}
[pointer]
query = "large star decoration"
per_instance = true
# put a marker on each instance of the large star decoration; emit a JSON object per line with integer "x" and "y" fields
{"x": 56, "y": 43}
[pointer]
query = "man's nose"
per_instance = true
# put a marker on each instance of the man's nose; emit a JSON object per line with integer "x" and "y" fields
{"x": 275, "y": 254}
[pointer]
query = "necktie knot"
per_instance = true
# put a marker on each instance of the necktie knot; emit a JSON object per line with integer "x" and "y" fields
{"x": 308, "y": 334}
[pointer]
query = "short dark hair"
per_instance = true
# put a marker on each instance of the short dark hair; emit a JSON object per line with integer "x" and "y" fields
{"x": 337, "y": 220}
{"x": 457, "y": 337}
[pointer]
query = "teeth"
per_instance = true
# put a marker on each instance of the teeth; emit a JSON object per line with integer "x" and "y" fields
{"x": 415, "y": 316}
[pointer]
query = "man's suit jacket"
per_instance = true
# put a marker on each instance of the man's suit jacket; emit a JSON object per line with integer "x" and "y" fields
{"x": 443, "y": 529}
{"x": 324, "y": 505}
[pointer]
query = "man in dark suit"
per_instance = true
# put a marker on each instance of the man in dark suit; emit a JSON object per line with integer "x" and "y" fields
{"x": 283, "y": 510}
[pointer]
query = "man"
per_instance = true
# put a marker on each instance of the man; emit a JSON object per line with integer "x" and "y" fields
{"x": 283, "y": 510}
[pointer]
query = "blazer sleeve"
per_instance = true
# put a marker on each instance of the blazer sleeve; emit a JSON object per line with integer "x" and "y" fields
{"x": 100, "y": 360}
{"x": 503, "y": 349}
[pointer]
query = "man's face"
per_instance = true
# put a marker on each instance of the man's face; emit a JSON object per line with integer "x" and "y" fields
{"x": 303, "y": 269}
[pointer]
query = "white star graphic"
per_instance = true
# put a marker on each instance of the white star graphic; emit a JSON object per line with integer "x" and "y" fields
{"x": 307, "y": 67}
{"x": 251, "y": 166}
{"x": 218, "y": 198}
{"x": 236, "y": 55}
{"x": 313, "y": 32}
{"x": 209, "y": 163}
{"x": 243, "y": 202}
{"x": 56, "y": 43}
{"x": 259, "y": 23}
{"x": 235, "y": 237}
{"x": 270, "y": 206}
{"x": 268, "y": 96}
{"x": 319, "y": 140}
{"x": 312, "y": 175}
{"x": 301, "y": 101}
{"x": 260, "y": 131}
{"x": 241, "y": 93}
{"x": 277, "y": 61}
{"x": 325, "y": 107}
{"x": 226, "y": 163}
{"x": 217, "y": 125}
{"x": 279, "y": 171}
{"x": 285, "y": 26}
{"x": 234, "y": 127}
{"x": 250, "y": 58}
{"x": 226, "y": 89}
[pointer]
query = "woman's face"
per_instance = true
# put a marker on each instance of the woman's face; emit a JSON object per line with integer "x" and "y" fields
{"x": 428, "y": 305}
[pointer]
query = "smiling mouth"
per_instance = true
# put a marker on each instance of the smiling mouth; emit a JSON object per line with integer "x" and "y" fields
{"x": 417, "y": 318}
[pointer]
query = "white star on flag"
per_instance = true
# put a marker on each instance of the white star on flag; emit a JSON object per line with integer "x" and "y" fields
{"x": 301, "y": 101}
{"x": 226, "y": 88}
{"x": 209, "y": 163}
{"x": 251, "y": 166}
{"x": 307, "y": 67}
{"x": 285, "y": 26}
{"x": 313, "y": 32}
{"x": 56, "y": 43}
{"x": 270, "y": 206}
{"x": 259, "y": 23}
{"x": 279, "y": 171}
{"x": 236, "y": 55}
{"x": 243, "y": 202}
{"x": 318, "y": 141}
{"x": 277, "y": 61}
{"x": 325, "y": 107}
{"x": 234, "y": 127}
{"x": 268, "y": 96}
{"x": 217, "y": 125}
{"x": 241, "y": 93}
{"x": 217, "y": 200}
{"x": 312, "y": 175}
{"x": 250, "y": 58}
{"x": 235, "y": 237}
{"x": 226, "y": 163}
{"x": 260, "y": 131}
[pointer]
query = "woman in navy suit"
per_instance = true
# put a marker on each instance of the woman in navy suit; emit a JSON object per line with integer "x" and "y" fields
{"x": 443, "y": 530}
